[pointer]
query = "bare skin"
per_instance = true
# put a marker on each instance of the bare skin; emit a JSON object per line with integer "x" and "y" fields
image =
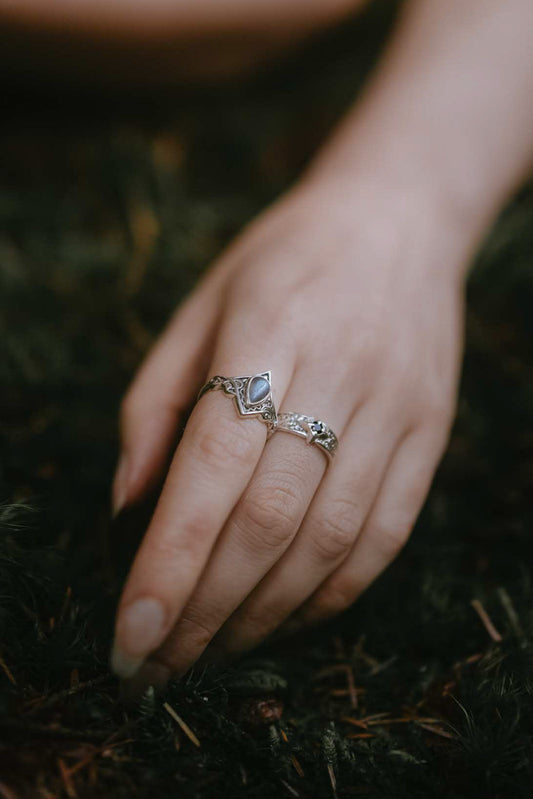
{"x": 350, "y": 289}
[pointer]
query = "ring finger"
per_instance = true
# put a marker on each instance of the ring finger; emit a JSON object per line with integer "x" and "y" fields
{"x": 329, "y": 530}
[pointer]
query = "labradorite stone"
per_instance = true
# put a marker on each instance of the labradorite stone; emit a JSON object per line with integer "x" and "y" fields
{"x": 258, "y": 389}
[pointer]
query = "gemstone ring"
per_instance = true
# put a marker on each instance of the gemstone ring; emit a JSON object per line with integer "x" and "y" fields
{"x": 313, "y": 430}
{"x": 252, "y": 394}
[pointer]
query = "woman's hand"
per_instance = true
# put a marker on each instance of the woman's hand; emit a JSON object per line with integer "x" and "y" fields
{"x": 356, "y": 307}
{"x": 350, "y": 291}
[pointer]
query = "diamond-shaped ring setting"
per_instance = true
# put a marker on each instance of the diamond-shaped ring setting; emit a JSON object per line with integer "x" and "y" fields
{"x": 252, "y": 394}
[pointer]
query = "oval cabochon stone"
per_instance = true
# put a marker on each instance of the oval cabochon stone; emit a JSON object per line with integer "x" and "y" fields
{"x": 258, "y": 389}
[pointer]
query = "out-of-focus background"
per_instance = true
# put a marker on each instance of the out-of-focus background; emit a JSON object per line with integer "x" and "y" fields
{"x": 112, "y": 202}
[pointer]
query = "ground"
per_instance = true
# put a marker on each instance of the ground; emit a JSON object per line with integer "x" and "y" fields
{"x": 111, "y": 207}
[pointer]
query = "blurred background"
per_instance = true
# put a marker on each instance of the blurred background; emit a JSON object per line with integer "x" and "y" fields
{"x": 120, "y": 183}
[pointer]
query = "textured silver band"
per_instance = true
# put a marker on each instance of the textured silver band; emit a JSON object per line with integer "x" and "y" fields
{"x": 252, "y": 394}
{"x": 313, "y": 430}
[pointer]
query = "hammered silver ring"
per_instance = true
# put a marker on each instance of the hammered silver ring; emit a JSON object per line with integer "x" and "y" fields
{"x": 315, "y": 431}
{"x": 252, "y": 395}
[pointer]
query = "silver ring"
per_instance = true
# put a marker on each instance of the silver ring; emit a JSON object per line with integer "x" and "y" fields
{"x": 252, "y": 394}
{"x": 313, "y": 430}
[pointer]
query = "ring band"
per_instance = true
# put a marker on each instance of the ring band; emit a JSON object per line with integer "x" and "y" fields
{"x": 252, "y": 394}
{"x": 313, "y": 430}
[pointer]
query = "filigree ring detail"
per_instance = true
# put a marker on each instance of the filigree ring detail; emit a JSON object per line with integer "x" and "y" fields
{"x": 315, "y": 431}
{"x": 252, "y": 394}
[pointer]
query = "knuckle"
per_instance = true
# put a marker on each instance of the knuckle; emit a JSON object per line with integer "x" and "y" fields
{"x": 432, "y": 394}
{"x": 260, "y": 621}
{"x": 270, "y": 315}
{"x": 337, "y": 595}
{"x": 274, "y": 310}
{"x": 193, "y": 627}
{"x": 391, "y": 537}
{"x": 334, "y": 536}
{"x": 194, "y": 532}
{"x": 437, "y": 410}
{"x": 366, "y": 355}
{"x": 268, "y": 516}
{"x": 227, "y": 440}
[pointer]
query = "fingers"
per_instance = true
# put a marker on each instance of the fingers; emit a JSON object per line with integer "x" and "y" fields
{"x": 164, "y": 386}
{"x": 328, "y": 532}
{"x": 386, "y": 530}
{"x": 212, "y": 466}
{"x": 260, "y": 529}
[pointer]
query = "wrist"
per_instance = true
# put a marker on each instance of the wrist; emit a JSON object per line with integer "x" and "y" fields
{"x": 445, "y": 124}
{"x": 443, "y": 193}
{"x": 390, "y": 203}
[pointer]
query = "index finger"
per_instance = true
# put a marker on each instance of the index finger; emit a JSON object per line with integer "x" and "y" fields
{"x": 211, "y": 468}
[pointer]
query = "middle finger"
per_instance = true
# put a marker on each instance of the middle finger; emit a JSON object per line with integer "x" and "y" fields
{"x": 212, "y": 465}
{"x": 259, "y": 530}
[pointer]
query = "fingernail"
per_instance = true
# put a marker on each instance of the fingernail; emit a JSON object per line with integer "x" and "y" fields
{"x": 152, "y": 673}
{"x": 120, "y": 485}
{"x": 124, "y": 665}
{"x": 139, "y": 630}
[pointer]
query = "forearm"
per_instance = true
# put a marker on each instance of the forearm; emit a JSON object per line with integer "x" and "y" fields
{"x": 448, "y": 115}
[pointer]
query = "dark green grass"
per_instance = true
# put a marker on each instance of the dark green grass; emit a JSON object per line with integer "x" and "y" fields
{"x": 110, "y": 209}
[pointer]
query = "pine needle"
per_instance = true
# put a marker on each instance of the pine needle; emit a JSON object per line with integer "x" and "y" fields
{"x": 184, "y": 726}
{"x": 486, "y": 620}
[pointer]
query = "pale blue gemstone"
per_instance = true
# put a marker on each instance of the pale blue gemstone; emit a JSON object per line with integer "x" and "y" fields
{"x": 258, "y": 389}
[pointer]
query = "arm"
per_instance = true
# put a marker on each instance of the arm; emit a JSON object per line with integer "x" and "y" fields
{"x": 448, "y": 114}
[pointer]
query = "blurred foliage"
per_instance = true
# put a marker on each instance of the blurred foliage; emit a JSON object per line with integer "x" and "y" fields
{"x": 111, "y": 207}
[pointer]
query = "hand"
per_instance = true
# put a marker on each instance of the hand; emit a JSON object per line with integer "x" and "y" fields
{"x": 350, "y": 291}
{"x": 355, "y": 304}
